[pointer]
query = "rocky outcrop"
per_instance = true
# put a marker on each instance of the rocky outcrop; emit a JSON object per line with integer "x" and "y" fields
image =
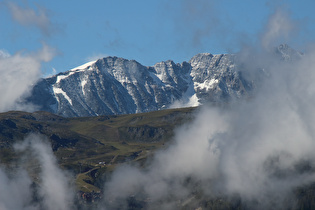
{"x": 115, "y": 85}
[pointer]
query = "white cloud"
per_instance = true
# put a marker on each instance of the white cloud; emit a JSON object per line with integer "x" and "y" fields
{"x": 17, "y": 75}
{"x": 54, "y": 189}
{"x": 20, "y": 71}
{"x": 55, "y": 185}
{"x": 4, "y": 54}
{"x": 27, "y": 16}
{"x": 252, "y": 149}
{"x": 279, "y": 28}
{"x": 15, "y": 190}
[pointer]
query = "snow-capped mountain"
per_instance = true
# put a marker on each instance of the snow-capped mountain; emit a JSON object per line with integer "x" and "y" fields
{"x": 115, "y": 85}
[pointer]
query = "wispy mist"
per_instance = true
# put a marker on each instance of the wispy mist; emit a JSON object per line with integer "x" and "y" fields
{"x": 54, "y": 187}
{"x": 29, "y": 17}
{"x": 280, "y": 27}
{"x": 15, "y": 190}
{"x": 197, "y": 22}
{"x": 259, "y": 149}
{"x": 18, "y": 73}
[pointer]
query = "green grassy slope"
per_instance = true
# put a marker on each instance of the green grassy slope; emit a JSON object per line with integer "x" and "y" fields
{"x": 90, "y": 148}
{"x": 92, "y": 144}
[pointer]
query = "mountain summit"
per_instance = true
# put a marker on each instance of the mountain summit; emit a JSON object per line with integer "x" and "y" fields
{"x": 115, "y": 85}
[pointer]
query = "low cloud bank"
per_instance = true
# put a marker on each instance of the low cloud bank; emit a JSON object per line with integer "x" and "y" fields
{"x": 259, "y": 150}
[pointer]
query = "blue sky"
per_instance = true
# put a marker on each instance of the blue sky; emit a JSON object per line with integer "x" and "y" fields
{"x": 148, "y": 31}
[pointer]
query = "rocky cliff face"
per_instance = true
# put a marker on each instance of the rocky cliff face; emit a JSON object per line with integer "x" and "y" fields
{"x": 115, "y": 85}
{"x": 217, "y": 79}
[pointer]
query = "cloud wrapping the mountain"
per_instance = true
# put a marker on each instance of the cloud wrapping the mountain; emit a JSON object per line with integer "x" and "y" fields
{"x": 18, "y": 73}
{"x": 259, "y": 150}
{"x": 280, "y": 27}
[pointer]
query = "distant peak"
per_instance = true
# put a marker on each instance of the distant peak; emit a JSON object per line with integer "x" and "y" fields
{"x": 287, "y": 52}
{"x": 283, "y": 46}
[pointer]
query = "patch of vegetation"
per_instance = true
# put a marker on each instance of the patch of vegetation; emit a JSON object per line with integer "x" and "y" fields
{"x": 91, "y": 147}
